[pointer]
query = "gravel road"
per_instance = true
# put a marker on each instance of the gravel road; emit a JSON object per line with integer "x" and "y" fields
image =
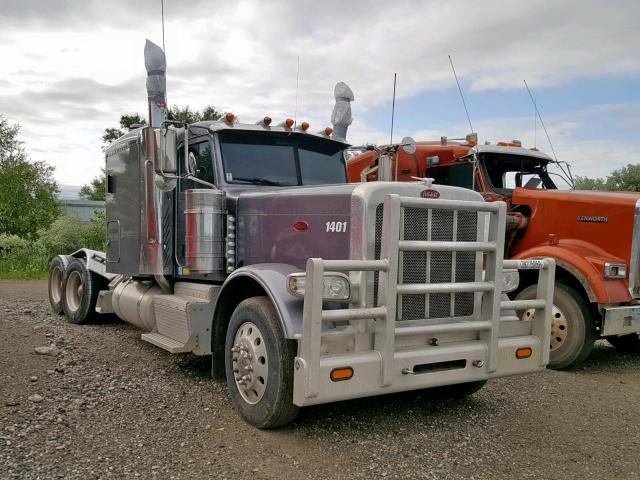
{"x": 104, "y": 404}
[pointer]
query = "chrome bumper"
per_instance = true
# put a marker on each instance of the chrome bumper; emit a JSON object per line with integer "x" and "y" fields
{"x": 621, "y": 320}
{"x": 387, "y": 368}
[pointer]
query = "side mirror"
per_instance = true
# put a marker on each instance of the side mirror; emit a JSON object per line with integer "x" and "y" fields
{"x": 192, "y": 165}
{"x": 168, "y": 158}
{"x": 408, "y": 145}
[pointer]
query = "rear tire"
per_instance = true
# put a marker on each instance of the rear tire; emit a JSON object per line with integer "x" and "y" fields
{"x": 573, "y": 330}
{"x": 259, "y": 365}
{"x": 626, "y": 343}
{"x": 80, "y": 292}
{"x": 57, "y": 271}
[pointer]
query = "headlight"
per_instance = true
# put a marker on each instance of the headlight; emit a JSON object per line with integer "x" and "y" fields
{"x": 615, "y": 270}
{"x": 510, "y": 280}
{"x": 335, "y": 286}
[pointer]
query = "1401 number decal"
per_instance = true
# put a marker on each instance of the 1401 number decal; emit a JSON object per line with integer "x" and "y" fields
{"x": 336, "y": 227}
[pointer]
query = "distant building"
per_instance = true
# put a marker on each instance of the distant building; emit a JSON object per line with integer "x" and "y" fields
{"x": 73, "y": 204}
{"x": 85, "y": 209}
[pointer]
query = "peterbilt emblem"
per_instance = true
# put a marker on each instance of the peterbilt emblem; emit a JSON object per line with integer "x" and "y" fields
{"x": 429, "y": 193}
{"x": 592, "y": 219}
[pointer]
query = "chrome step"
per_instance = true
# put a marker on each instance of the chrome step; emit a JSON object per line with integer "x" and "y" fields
{"x": 166, "y": 343}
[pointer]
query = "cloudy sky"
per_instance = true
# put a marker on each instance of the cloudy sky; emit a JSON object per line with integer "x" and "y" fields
{"x": 70, "y": 68}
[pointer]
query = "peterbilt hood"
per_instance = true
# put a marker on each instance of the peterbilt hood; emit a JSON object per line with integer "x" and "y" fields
{"x": 600, "y": 221}
{"x": 332, "y": 222}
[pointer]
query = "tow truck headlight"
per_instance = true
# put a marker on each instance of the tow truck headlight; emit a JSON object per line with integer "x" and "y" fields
{"x": 336, "y": 287}
{"x": 510, "y": 280}
{"x": 615, "y": 270}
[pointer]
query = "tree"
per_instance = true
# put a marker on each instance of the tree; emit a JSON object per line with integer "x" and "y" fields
{"x": 27, "y": 189}
{"x": 126, "y": 121}
{"x": 175, "y": 113}
{"x": 96, "y": 188}
{"x": 626, "y": 179}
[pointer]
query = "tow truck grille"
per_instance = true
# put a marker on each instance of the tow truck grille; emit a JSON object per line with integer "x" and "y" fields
{"x": 433, "y": 267}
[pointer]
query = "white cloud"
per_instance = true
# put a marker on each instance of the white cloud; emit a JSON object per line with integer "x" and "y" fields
{"x": 69, "y": 72}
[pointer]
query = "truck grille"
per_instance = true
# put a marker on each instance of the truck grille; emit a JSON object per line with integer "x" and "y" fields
{"x": 433, "y": 267}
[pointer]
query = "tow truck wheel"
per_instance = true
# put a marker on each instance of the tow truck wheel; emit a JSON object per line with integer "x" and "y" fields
{"x": 573, "y": 330}
{"x": 259, "y": 365}
{"x": 57, "y": 270}
{"x": 80, "y": 292}
{"x": 626, "y": 343}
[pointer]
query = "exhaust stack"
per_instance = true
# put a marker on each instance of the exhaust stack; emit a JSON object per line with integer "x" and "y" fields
{"x": 156, "y": 65}
{"x": 341, "y": 116}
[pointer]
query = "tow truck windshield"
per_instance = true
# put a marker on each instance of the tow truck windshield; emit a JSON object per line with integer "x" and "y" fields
{"x": 281, "y": 159}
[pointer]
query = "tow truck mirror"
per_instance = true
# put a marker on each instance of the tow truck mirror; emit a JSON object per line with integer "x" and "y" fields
{"x": 168, "y": 158}
{"x": 408, "y": 145}
{"x": 192, "y": 165}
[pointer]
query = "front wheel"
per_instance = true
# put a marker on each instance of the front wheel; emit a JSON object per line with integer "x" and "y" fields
{"x": 573, "y": 330}
{"x": 626, "y": 343}
{"x": 259, "y": 365}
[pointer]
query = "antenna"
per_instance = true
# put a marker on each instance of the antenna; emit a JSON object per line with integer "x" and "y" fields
{"x": 464, "y": 104}
{"x": 295, "y": 112}
{"x": 162, "y": 6}
{"x": 535, "y": 106}
{"x": 393, "y": 112}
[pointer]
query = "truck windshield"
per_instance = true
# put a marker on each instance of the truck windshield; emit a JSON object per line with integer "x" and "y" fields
{"x": 281, "y": 159}
{"x": 507, "y": 172}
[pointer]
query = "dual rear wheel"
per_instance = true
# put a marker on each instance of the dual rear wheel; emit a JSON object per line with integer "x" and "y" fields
{"x": 73, "y": 288}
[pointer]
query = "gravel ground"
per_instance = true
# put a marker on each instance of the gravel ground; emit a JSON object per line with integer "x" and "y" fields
{"x": 104, "y": 404}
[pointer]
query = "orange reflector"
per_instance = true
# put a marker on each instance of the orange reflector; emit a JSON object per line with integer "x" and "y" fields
{"x": 230, "y": 117}
{"x": 524, "y": 352}
{"x": 289, "y": 122}
{"x": 328, "y": 131}
{"x": 340, "y": 374}
{"x": 304, "y": 126}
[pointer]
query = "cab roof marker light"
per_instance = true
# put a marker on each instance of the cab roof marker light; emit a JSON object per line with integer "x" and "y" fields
{"x": 304, "y": 126}
{"x": 265, "y": 122}
{"x": 327, "y": 131}
{"x": 229, "y": 117}
{"x": 472, "y": 139}
{"x": 288, "y": 123}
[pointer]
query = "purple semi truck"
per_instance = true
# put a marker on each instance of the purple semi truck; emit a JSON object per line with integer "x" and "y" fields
{"x": 245, "y": 242}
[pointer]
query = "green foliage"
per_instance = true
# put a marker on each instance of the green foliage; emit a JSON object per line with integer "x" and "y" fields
{"x": 27, "y": 189}
{"x": 625, "y": 179}
{"x": 126, "y": 121}
{"x": 21, "y": 258}
{"x": 96, "y": 188}
{"x": 186, "y": 115}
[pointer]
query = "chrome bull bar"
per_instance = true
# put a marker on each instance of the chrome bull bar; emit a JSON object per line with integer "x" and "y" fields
{"x": 386, "y": 328}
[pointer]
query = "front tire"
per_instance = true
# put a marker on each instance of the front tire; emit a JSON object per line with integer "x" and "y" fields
{"x": 573, "y": 329}
{"x": 80, "y": 292}
{"x": 57, "y": 271}
{"x": 626, "y": 343}
{"x": 259, "y": 365}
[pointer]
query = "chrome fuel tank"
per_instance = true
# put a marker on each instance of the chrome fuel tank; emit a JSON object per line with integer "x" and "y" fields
{"x": 204, "y": 230}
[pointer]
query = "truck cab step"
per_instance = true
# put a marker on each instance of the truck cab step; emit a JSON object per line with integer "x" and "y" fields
{"x": 166, "y": 343}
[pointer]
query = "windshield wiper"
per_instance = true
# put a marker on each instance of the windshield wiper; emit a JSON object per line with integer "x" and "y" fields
{"x": 259, "y": 181}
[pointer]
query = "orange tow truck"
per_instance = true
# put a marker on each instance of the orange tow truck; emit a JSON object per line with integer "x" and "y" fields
{"x": 593, "y": 236}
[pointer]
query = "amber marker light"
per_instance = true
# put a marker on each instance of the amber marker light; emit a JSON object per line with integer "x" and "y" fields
{"x": 340, "y": 374}
{"x": 266, "y": 121}
{"x": 304, "y": 126}
{"x": 288, "y": 122}
{"x": 524, "y": 352}
{"x": 230, "y": 117}
{"x": 328, "y": 131}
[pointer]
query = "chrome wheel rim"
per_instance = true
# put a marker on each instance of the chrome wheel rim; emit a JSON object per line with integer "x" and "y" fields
{"x": 559, "y": 326}
{"x": 250, "y": 362}
{"x": 56, "y": 284}
{"x": 74, "y": 291}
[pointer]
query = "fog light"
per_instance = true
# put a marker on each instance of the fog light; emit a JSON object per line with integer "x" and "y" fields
{"x": 510, "y": 280}
{"x": 335, "y": 286}
{"x": 615, "y": 270}
{"x": 524, "y": 352}
{"x": 340, "y": 374}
